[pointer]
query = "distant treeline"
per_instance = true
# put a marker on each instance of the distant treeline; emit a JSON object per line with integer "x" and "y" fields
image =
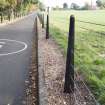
{"x": 100, "y": 4}
{"x": 15, "y": 5}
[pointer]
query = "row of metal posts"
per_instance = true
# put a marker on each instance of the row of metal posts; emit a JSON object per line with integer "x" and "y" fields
{"x": 69, "y": 73}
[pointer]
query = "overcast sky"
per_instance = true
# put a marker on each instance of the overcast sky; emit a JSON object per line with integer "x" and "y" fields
{"x": 60, "y": 2}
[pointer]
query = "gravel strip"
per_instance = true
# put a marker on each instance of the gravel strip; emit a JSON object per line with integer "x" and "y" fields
{"x": 54, "y": 70}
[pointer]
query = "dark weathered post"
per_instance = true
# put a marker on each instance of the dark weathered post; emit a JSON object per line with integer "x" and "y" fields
{"x": 14, "y": 14}
{"x": 36, "y": 27}
{"x": 43, "y": 21}
{"x": 69, "y": 76}
{"x": 48, "y": 10}
{"x": 1, "y": 17}
{"x": 18, "y": 14}
{"x": 47, "y": 27}
{"x": 9, "y": 16}
{"x": 36, "y": 36}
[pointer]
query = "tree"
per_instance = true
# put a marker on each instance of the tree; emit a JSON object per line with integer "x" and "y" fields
{"x": 74, "y": 6}
{"x": 30, "y": 1}
{"x": 3, "y": 4}
{"x": 9, "y": 6}
{"x": 99, "y": 3}
{"x": 65, "y": 5}
{"x": 11, "y": 3}
{"x": 34, "y": 1}
{"x": 86, "y": 6}
{"x": 41, "y": 6}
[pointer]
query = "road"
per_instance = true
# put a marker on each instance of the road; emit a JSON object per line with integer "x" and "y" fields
{"x": 15, "y": 52}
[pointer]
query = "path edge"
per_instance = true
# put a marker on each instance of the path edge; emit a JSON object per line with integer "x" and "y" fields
{"x": 41, "y": 78}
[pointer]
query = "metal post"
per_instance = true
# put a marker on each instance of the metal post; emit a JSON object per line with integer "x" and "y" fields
{"x": 14, "y": 13}
{"x": 1, "y": 17}
{"x": 36, "y": 42}
{"x": 9, "y": 15}
{"x": 69, "y": 75}
{"x": 36, "y": 30}
{"x": 36, "y": 34}
{"x": 43, "y": 21}
{"x": 47, "y": 27}
{"x": 48, "y": 10}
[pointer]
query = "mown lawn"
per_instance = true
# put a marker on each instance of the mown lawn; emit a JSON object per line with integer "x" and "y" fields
{"x": 89, "y": 46}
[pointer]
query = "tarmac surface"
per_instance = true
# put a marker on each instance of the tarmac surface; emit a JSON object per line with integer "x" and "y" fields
{"x": 15, "y": 52}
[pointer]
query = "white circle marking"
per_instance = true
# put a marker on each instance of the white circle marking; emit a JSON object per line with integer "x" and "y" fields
{"x": 15, "y": 52}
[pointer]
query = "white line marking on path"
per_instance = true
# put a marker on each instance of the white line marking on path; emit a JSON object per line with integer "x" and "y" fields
{"x": 15, "y": 52}
{"x": 2, "y": 42}
{"x": 1, "y": 46}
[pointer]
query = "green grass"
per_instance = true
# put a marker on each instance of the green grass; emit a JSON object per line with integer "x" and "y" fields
{"x": 89, "y": 46}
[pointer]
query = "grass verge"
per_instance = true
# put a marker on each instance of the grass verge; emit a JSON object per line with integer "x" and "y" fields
{"x": 89, "y": 48}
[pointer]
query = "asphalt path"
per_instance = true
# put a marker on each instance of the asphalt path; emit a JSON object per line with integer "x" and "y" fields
{"x": 15, "y": 52}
